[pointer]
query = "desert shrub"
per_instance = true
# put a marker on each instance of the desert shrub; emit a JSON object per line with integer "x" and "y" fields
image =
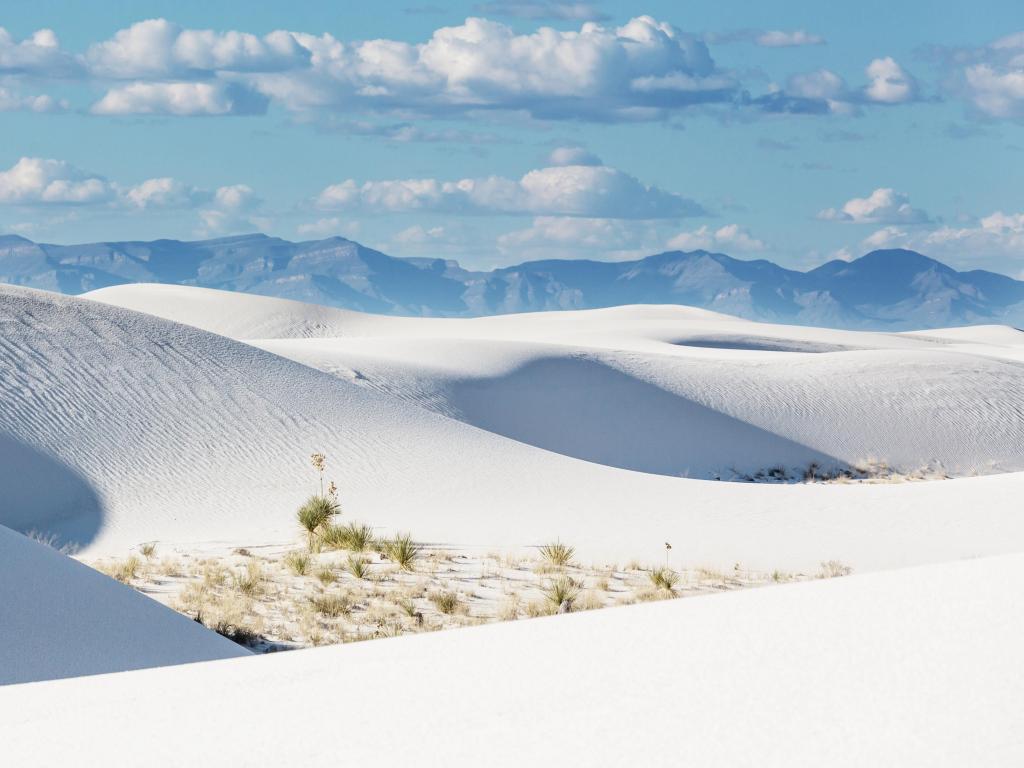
{"x": 148, "y": 550}
{"x": 561, "y": 593}
{"x": 557, "y": 553}
{"x": 332, "y": 605}
{"x": 402, "y": 550}
{"x": 297, "y": 562}
{"x": 445, "y": 601}
{"x": 831, "y": 569}
{"x": 314, "y": 515}
{"x": 357, "y": 566}
{"x": 664, "y": 578}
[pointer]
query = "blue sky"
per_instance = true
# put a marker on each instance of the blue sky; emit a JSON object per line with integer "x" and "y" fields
{"x": 497, "y": 132}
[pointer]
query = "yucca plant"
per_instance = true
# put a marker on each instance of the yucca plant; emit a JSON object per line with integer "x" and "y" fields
{"x": 664, "y": 578}
{"x": 355, "y": 537}
{"x": 557, "y": 553}
{"x": 403, "y": 550}
{"x": 561, "y": 593}
{"x": 314, "y": 515}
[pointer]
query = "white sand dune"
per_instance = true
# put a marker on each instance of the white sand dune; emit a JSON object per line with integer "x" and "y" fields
{"x": 170, "y": 433}
{"x": 912, "y": 667}
{"x": 59, "y": 618}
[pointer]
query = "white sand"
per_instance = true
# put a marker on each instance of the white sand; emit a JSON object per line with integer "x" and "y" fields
{"x": 59, "y": 618}
{"x": 908, "y": 668}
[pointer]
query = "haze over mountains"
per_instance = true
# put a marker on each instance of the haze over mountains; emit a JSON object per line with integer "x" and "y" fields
{"x": 886, "y": 289}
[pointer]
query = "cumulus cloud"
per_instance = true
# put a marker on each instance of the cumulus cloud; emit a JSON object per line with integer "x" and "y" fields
{"x": 642, "y": 69}
{"x": 990, "y": 79}
{"x": 998, "y": 235}
{"x": 234, "y": 209}
{"x": 569, "y": 237}
{"x": 39, "y": 54}
{"x": 778, "y": 39}
{"x": 163, "y": 192}
{"x": 34, "y": 180}
{"x": 731, "y": 237}
{"x": 889, "y": 83}
{"x": 570, "y": 190}
{"x": 822, "y": 91}
{"x": 183, "y": 98}
{"x": 11, "y": 101}
{"x": 883, "y": 206}
{"x": 159, "y": 49}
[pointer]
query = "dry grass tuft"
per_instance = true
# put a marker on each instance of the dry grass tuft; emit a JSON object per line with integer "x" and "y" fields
{"x": 297, "y": 562}
{"x": 557, "y": 554}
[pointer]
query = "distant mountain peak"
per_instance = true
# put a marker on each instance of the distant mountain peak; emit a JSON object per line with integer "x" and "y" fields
{"x": 892, "y": 289}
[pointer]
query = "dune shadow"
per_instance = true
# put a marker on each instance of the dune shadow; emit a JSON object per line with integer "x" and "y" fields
{"x": 588, "y": 410}
{"x": 40, "y": 494}
{"x": 758, "y": 344}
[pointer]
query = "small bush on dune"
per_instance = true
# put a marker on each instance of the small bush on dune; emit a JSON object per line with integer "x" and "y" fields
{"x": 148, "y": 550}
{"x": 664, "y": 578}
{"x": 557, "y": 553}
{"x": 122, "y": 570}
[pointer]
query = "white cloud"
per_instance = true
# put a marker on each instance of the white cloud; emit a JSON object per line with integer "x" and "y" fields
{"x": 326, "y": 227}
{"x": 555, "y": 237}
{"x": 823, "y": 91}
{"x": 39, "y": 54}
{"x": 731, "y": 237}
{"x": 998, "y": 235}
{"x": 883, "y": 206}
{"x": 163, "y": 192}
{"x": 233, "y": 209}
{"x": 889, "y": 83}
{"x": 780, "y": 39}
{"x": 159, "y": 49}
{"x": 593, "y": 72}
{"x": 34, "y": 180}
{"x": 14, "y": 102}
{"x": 184, "y": 98}
{"x": 572, "y": 190}
{"x": 572, "y": 156}
{"x": 990, "y": 78}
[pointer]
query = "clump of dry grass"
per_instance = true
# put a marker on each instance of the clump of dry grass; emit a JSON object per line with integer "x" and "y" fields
{"x": 147, "y": 550}
{"x": 446, "y": 602}
{"x": 122, "y": 570}
{"x": 250, "y": 581}
{"x": 332, "y": 605}
{"x": 297, "y": 562}
{"x": 831, "y": 569}
{"x": 326, "y": 575}
{"x": 355, "y": 537}
{"x": 557, "y": 554}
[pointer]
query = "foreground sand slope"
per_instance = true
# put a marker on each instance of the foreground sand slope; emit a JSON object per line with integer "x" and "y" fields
{"x": 59, "y": 618}
{"x": 911, "y": 667}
